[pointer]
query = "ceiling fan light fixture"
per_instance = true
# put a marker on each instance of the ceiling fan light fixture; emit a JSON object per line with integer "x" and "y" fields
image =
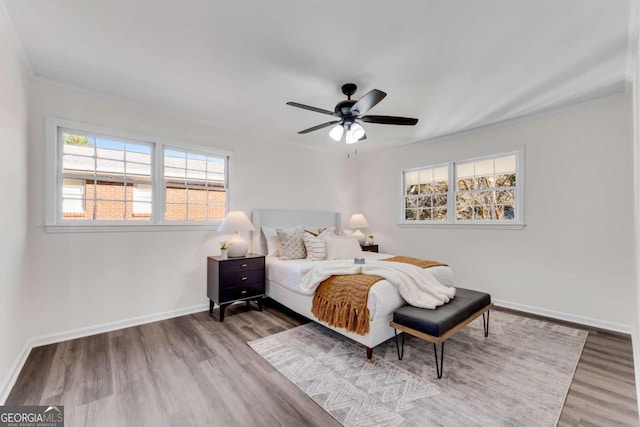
{"x": 357, "y": 131}
{"x": 336, "y": 132}
{"x": 351, "y": 137}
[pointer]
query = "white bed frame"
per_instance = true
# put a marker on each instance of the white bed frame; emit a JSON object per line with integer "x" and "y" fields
{"x": 379, "y": 330}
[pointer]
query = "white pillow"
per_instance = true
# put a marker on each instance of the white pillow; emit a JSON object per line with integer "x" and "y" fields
{"x": 316, "y": 245}
{"x": 291, "y": 244}
{"x": 271, "y": 237}
{"x": 343, "y": 248}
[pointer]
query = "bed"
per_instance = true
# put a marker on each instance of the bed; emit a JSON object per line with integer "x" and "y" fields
{"x": 284, "y": 277}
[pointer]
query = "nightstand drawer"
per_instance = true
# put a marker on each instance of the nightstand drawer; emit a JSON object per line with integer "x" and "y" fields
{"x": 239, "y": 292}
{"x": 228, "y": 280}
{"x": 242, "y": 264}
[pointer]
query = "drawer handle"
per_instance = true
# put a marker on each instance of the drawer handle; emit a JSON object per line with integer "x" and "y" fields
{"x": 244, "y": 265}
{"x": 243, "y": 292}
{"x": 243, "y": 279}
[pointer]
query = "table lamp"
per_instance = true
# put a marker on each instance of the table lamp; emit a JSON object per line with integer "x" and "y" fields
{"x": 236, "y": 221}
{"x": 358, "y": 221}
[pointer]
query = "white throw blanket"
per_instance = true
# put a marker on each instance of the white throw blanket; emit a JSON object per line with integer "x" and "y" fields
{"x": 416, "y": 285}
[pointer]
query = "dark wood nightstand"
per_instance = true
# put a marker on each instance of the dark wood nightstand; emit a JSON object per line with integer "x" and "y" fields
{"x": 235, "y": 279}
{"x": 370, "y": 248}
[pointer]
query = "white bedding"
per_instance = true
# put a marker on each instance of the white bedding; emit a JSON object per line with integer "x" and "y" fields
{"x": 384, "y": 298}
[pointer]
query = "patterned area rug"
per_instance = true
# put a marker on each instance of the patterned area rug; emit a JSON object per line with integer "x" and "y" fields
{"x": 518, "y": 376}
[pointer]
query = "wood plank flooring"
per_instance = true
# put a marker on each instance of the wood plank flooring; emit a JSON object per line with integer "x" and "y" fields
{"x": 194, "y": 370}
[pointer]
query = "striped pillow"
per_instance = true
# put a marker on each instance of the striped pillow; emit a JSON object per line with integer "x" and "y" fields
{"x": 316, "y": 245}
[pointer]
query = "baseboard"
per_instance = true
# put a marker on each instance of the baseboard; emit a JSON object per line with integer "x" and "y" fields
{"x": 85, "y": 332}
{"x": 636, "y": 358}
{"x": 7, "y": 385}
{"x": 568, "y": 317}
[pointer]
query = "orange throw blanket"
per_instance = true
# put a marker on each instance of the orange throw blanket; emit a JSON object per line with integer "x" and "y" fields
{"x": 341, "y": 301}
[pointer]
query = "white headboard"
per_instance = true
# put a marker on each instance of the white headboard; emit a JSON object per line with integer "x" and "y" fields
{"x": 288, "y": 218}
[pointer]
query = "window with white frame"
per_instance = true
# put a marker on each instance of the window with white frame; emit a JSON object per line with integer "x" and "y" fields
{"x": 194, "y": 186}
{"x": 485, "y": 190}
{"x": 426, "y": 194}
{"x": 109, "y": 177}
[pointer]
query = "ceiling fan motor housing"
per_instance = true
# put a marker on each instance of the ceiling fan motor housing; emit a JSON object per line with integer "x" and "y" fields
{"x": 343, "y": 108}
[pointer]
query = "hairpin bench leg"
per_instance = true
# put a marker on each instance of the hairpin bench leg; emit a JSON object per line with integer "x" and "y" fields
{"x": 399, "y": 349}
{"x": 440, "y": 365}
{"x": 485, "y": 323}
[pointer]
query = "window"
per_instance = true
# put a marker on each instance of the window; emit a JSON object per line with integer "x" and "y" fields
{"x": 486, "y": 190}
{"x": 426, "y": 197}
{"x": 106, "y": 170}
{"x": 106, "y": 177}
{"x": 194, "y": 186}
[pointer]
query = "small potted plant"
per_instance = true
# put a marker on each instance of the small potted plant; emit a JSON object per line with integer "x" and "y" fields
{"x": 224, "y": 247}
{"x": 369, "y": 240}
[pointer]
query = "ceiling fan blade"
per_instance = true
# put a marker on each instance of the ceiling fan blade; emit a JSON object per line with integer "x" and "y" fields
{"x": 310, "y": 108}
{"x": 324, "y": 125}
{"x": 389, "y": 120}
{"x": 368, "y": 101}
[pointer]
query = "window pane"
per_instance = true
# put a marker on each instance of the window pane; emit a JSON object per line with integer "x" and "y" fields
{"x": 426, "y": 188}
{"x": 441, "y": 186}
{"x": 410, "y": 202}
{"x": 440, "y": 214}
{"x": 77, "y": 143}
{"x": 110, "y": 210}
{"x": 424, "y": 202}
{"x": 176, "y": 195}
{"x": 78, "y": 165}
{"x": 464, "y": 212}
{"x": 484, "y": 182}
{"x": 110, "y": 191}
{"x": 216, "y": 212}
{"x": 175, "y": 212}
{"x": 464, "y": 170}
{"x": 424, "y": 214}
{"x": 505, "y": 164}
{"x": 465, "y": 184}
{"x": 216, "y": 197}
{"x": 109, "y": 167}
{"x": 506, "y": 180}
{"x": 138, "y": 171}
{"x": 197, "y": 212}
{"x": 440, "y": 201}
{"x": 410, "y": 214}
{"x": 196, "y": 162}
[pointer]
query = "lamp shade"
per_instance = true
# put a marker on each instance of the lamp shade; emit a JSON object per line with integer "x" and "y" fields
{"x": 358, "y": 221}
{"x": 236, "y": 221}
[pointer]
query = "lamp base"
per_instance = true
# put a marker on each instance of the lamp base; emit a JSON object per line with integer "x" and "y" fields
{"x": 359, "y": 235}
{"x": 238, "y": 247}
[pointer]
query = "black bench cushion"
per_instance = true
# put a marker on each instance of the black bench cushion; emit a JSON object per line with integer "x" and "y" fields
{"x": 437, "y": 322}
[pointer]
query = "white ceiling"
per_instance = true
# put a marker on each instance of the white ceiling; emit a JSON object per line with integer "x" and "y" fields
{"x": 454, "y": 64}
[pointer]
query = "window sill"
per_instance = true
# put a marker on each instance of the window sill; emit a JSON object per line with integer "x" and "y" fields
{"x": 127, "y": 228}
{"x": 477, "y": 226}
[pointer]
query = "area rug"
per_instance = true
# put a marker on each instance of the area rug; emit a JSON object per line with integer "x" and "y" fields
{"x": 518, "y": 376}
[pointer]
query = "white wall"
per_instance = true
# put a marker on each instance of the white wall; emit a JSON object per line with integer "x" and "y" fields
{"x": 85, "y": 279}
{"x": 575, "y": 255}
{"x": 13, "y": 208}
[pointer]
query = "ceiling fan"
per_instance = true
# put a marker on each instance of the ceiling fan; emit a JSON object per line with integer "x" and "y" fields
{"x": 349, "y": 112}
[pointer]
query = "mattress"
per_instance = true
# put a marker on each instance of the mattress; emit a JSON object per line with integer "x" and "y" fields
{"x": 383, "y": 300}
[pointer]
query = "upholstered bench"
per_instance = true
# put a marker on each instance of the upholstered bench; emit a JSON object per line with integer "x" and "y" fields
{"x": 438, "y": 325}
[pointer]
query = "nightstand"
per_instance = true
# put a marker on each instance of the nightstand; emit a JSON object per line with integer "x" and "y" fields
{"x": 235, "y": 279}
{"x": 370, "y": 248}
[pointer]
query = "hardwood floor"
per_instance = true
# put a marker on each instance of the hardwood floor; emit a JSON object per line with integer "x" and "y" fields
{"x": 194, "y": 370}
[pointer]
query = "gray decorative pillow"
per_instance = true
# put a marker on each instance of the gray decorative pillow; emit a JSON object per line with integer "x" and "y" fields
{"x": 291, "y": 244}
